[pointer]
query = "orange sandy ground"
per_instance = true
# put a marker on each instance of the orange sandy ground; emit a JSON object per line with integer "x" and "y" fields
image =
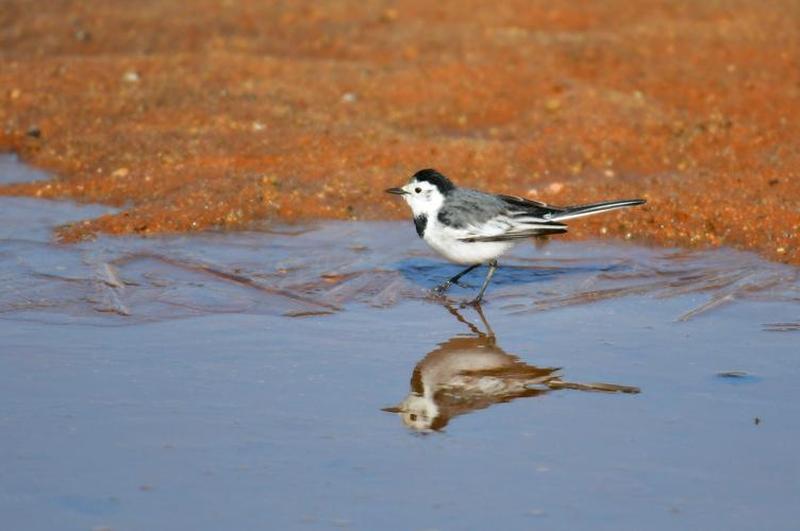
{"x": 217, "y": 113}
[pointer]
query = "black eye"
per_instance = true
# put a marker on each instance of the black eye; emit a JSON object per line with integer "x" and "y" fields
{"x": 418, "y": 190}
{"x": 412, "y": 416}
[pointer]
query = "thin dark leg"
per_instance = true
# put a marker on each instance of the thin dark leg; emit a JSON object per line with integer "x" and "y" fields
{"x": 458, "y": 276}
{"x": 441, "y": 288}
{"x": 475, "y": 330}
{"x": 489, "y": 331}
{"x": 455, "y": 313}
{"x": 489, "y": 275}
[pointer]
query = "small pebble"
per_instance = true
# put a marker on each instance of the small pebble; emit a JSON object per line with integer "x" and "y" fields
{"x": 552, "y": 104}
{"x": 131, "y": 76}
{"x": 390, "y": 15}
{"x": 732, "y": 374}
{"x": 258, "y": 126}
{"x": 555, "y": 188}
{"x": 349, "y": 97}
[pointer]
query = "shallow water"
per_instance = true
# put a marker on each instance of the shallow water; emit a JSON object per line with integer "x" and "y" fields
{"x": 240, "y": 380}
{"x": 13, "y": 171}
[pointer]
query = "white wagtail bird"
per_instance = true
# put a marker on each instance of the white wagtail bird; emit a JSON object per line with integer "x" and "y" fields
{"x": 471, "y": 228}
{"x": 471, "y": 372}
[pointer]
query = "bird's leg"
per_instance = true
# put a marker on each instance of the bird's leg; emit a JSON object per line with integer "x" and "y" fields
{"x": 489, "y": 334}
{"x": 489, "y": 331}
{"x": 489, "y": 275}
{"x": 441, "y": 288}
{"x": 458, "y": 276}
{"x": 474, "y": 329}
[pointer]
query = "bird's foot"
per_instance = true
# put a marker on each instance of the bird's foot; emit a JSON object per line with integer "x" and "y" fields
{"x": 475, "y": 303}
{"x": 441, "y": 288}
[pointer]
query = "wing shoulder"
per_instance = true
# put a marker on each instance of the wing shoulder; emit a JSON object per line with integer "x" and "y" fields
{"x": 468, "y": 208}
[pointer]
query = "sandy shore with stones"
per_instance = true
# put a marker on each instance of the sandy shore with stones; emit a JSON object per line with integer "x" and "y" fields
{"x": 226, "y": 113}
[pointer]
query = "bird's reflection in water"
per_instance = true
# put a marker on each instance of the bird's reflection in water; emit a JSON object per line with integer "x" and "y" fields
{"x": 471, "y": 372}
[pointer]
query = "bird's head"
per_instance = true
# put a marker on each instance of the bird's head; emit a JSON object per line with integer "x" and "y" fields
{"x": 419, "y": 413}
{"x": 425, "y": 192}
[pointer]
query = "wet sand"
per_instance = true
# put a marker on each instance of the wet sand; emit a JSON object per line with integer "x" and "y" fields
{"x": 231, "y": 112}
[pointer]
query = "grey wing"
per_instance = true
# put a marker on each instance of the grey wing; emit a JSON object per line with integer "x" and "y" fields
{"x": 518, "y": 219}
{"x": 466, "y": 208}
{"x": 523, "y": 206}
{"x": 516, "y": 232}
{"x": 479, "y": 217}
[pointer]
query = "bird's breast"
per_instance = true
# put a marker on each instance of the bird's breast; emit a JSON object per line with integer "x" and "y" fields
{"x": 448, "y": 242}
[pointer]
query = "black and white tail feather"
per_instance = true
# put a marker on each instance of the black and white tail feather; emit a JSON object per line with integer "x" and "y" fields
{"x": 472, "y": 227}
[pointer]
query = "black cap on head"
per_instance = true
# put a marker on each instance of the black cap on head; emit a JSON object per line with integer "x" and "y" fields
{"x": 442, "y": 183}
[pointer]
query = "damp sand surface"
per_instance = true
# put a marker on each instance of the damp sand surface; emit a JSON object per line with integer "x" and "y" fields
{"x": 235, "y": 111}
{"x": 242, "y": 381}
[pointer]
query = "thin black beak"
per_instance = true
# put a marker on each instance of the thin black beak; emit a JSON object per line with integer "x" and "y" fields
{"x": 396, "y": 191}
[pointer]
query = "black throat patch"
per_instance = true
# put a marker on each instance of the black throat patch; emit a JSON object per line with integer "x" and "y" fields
{"x": 420, "y": 222}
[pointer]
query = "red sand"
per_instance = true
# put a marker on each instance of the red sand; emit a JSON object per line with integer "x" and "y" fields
{"x": 232, "y": 111}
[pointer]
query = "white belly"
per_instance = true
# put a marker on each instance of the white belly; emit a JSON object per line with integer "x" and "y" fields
{"x": 445, "y": 241}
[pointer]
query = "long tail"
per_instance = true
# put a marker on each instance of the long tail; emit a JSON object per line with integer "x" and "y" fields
{"x": 594, "y": 208}
{"x": 598, "y": 387}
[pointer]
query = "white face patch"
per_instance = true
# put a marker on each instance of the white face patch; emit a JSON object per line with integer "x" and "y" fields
{"x": 423, "y": 198}
{"x": 418, "y": 412}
